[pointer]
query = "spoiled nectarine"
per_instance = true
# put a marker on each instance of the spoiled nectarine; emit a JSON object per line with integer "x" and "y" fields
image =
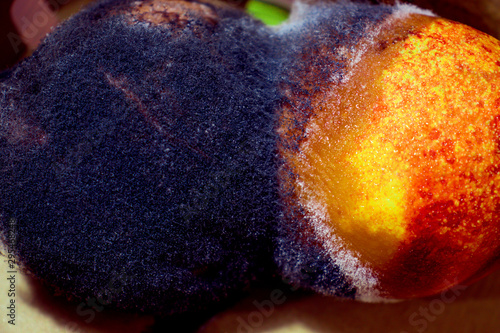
{"x": 397, "y": 170}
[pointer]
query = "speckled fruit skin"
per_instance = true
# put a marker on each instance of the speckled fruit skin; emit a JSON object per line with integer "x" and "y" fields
{"x": 401, "y": 160}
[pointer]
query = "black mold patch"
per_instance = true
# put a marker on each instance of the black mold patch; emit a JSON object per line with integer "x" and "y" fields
{"x": 156, "y": 168}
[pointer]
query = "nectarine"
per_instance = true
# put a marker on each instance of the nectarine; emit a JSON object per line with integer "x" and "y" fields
{"x": 396, "y": 170}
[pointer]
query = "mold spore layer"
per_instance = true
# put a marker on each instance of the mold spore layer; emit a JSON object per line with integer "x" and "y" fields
{"x": 140, "y": 137}
{"x": 138, "y": 141}
{"x": 308, "y": 252}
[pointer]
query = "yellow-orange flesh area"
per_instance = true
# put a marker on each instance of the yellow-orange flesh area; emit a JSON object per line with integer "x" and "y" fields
{"x": 404, "y": 157}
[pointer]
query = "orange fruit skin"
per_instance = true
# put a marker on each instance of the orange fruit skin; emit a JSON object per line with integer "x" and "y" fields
{"x": 402, "y": 156}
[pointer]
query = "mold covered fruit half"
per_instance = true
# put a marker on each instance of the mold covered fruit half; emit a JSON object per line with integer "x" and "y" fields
{"x": 401, "y": 159}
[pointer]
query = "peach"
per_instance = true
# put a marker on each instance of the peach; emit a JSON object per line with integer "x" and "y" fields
{"x": 399, "y": 165}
